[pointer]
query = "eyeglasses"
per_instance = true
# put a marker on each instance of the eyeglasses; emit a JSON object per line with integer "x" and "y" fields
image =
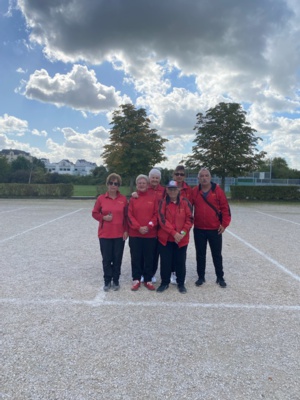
{"x": 114, "y": 183}
{"x": 179, "y": 174}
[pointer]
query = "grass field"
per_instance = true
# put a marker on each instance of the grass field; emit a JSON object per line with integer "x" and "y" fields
{"x": 91, "y": 190}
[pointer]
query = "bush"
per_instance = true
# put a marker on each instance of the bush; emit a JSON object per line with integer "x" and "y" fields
{"x": 286, "y": 193}
{"x": 35, "y": 190}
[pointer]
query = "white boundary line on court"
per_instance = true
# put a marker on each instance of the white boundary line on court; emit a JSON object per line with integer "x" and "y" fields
{"x": 282, "y": 219}
{"x": 276, "y": 263}
{"x": 99, "y": 300}
{"x": 39, "y": 226}
{"x": 15, "y": 209}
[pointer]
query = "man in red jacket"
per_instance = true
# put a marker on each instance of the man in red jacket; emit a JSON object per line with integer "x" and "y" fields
{"x": 211, "y": 218}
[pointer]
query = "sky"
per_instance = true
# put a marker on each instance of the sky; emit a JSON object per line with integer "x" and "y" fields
{"x": 66, "y": 66}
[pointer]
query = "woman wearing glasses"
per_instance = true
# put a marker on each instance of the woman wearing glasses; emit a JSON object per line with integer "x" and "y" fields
{"x": 109, "y": 210}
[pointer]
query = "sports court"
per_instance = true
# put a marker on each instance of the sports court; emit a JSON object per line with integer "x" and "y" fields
{"x": 64, "y": 338}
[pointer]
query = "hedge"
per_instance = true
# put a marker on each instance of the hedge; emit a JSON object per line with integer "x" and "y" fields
{"x": 36, "y": 190}
{"x": 287, "y": 193}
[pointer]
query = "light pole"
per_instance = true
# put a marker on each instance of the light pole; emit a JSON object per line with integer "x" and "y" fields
{"x": 270, "y": 169}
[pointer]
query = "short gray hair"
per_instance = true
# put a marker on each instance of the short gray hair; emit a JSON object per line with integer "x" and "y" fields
{"x": 141, "y": 176}
{"x": 204, "y": 169}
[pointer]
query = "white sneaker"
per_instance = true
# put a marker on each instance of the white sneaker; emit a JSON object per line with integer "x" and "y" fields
{"x": 153, "y": 279}
{"x": 173, "y": 278}
{"x": 142, "y": 279}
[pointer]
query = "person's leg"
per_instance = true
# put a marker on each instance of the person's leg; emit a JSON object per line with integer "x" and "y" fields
{"x": 155, "y": 259}
{"x": 165, "y": 253}
{"x": 117, "y": 259}
{"x": 135, "y": 246}
{"x": 148, "y": 248}
{"x": 180, "y": 263}
{"x": 200, "y": 238}
{"x": 215, "y": 243}
{"x": 106, "y": 248}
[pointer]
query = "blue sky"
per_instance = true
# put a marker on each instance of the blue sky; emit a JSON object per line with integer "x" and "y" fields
{"x": 66, "y": 66}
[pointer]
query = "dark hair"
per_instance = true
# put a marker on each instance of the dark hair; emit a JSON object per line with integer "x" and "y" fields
{"x": 179, "y": 168}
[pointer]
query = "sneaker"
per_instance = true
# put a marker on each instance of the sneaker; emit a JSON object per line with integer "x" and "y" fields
{"x": 162, "y": 288}
{"x": 106, "y": 287}
{"x": 115, "y": 286}
{"x": 182, "y": 289}
{"x": 135, "y": 285}
{"x": 221, "y": 282}
{"x": 200, "y": 281}
{"x": 173, "y": 278}
{"x": 142, "y": 279}
{"x": 149, "y": 285}
{"x": 153, "y": 279}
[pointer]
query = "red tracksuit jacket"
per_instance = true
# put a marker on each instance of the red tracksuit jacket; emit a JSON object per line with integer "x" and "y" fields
{"x": 204, "y": 216}
{"x": 174, "y": 218}
{"x": 105, "y": 205}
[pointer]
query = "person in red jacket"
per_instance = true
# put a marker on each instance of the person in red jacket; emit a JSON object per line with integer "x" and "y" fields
{"x": 185, "y": 191}
{"x": 211, "y": 218}
{"x": 155, "y": 188}
{"x": 175, "y": 221}
{"x": 179, "y": 176}
{"x": 142, "y": 223}
{"x": 110, "y": 211}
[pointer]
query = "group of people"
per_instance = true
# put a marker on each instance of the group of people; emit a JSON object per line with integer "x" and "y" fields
{"x": 158, "y": 221}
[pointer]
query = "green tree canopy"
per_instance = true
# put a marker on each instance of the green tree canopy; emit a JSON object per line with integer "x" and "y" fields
{"x": 225, "y": 142}
{"x": 134, "y": 147}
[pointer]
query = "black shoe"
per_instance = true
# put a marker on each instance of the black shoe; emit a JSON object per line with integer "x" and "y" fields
{"x": 106, "y": 287}
{"x": 221, "y": 282}
{"x": 162, "y": 288}
{"x": 200, "y": 281}
{"x": 181, "y": 289}
{"x": 115, "y": 286}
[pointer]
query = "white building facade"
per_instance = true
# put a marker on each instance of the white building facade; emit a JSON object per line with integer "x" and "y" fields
{"x": 81, "y": 167}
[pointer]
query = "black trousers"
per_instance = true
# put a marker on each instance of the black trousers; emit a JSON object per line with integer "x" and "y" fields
{"x": 112, "y": 254}
{"x": 201, "y": 237}
{"x": 142, "y": 252}
{"x": 172, "y": 256}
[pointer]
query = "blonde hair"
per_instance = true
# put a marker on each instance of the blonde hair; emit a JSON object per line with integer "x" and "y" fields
{"x": 114, "y": 177}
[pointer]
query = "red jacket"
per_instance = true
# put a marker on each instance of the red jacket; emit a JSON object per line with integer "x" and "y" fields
{"x": 186, "y": 191}
{"x": 174, "y": 218}
{"x": 159, "y": 192}
{"x": 204, "y": 216}
{"x": 118, "y": 225}
{"x": 142, "y": 211}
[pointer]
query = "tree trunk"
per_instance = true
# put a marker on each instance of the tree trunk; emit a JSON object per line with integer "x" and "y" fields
{"x": 131, "y": 184}
{"x": 223, "y": 183}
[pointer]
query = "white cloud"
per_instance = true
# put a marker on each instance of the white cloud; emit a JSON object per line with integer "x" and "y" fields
{"x": 36, "y": 132}
{"x": 78, "y": 89}
{"x": 12, "y": 125}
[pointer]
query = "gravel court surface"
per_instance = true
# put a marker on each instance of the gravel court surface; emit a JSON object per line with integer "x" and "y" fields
{"x": 64, "y": 338}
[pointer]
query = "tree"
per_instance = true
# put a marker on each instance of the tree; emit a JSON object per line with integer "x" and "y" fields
{"x": 100, "y": 174}
{"x": 134, "y": 147}
{"x": 225, "y": 142}
{"x": 4, "y": 169}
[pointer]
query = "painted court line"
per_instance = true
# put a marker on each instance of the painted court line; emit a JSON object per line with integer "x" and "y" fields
{"x": 276, "y": 263}
{"x": 39, "y": 226}
{"x": 15, "y": 209}
{"x": 282, "y": 219}
{"x": 97, "y": 302}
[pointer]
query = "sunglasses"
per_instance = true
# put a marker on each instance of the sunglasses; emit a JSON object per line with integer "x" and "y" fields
{"x": 114, "y": 183}
{"x": 179, "y": 174}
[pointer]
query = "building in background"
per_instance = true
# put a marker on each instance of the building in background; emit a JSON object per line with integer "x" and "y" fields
{"x": 81, "y": 167}
{"x": 12, "y": 154}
